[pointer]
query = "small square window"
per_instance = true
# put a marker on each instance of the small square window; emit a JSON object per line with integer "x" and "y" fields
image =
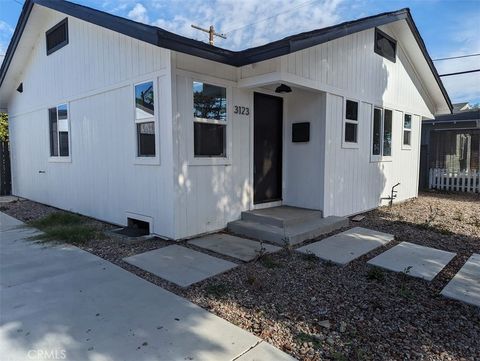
{"x": 146, "y": 139}
{"x": 385, "y": 45}
{"x": 350, "y": 126}
{"x": 209, "y": 140}
{"x": 57, "y": 37}
{"x": 352, "y": 110}
{"x": 351, "y": 132}
{"x": 58, "y": 129}
{"x": 210, "y": 120}
{"x": 145, "y": 119}
{"x": 407, "y": 130}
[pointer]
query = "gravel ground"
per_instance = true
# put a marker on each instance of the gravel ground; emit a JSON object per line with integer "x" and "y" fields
{"x": 318, "y": 311}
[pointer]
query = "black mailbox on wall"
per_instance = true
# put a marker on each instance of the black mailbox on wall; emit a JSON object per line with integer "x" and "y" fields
{"x": 301, "y": 132}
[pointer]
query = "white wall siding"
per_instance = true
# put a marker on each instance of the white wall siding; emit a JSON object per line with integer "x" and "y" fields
{"x": 208, "y": 196}
{"x": 304, "y": 162}
{"x": 353, "y": 183}
{"x": 94, "y": 59}
{"x": 349, "y": 66}
{"x": 94, "y": 74}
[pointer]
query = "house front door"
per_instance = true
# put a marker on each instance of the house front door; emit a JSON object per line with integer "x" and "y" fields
{"x": 267, "y": 148}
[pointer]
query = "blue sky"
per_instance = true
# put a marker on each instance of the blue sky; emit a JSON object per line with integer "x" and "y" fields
{"x": 448, "y": 27}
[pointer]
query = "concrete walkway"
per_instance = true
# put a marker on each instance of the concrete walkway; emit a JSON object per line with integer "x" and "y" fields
{"x": 465, "y": 286}
{"x": 64, "y": 303}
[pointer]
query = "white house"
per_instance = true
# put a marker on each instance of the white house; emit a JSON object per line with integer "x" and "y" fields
{"x": 115, "y": 119}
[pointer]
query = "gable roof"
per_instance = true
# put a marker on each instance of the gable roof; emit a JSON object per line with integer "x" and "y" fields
{"x": 165, "y": 39}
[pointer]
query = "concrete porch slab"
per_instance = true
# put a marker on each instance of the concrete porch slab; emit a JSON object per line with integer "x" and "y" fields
{"x": 465, "y": 286}
{"x": 425, "y": 262}
{"x": 236, "y": 247}
{"x": 180, "y": 265}
{"x": 344, "y": 247}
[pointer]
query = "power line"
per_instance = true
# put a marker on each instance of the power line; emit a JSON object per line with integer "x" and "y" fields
{"x": 271, "y": 17}
{"x": 457, "y": 57}
{"x": 461, "y": 72}
{"x": 18, "y": 2}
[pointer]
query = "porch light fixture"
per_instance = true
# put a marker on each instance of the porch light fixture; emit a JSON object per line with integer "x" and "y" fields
{"x": 283, "y": 89}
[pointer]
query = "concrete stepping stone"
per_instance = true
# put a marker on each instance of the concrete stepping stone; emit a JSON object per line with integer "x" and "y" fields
{"x": 236, "y": 247}
{"x": 465, "y": 286}
{"x": 424, "y": 262}
{"x": 180, "y": 265}
{"x": 344, "y": 247}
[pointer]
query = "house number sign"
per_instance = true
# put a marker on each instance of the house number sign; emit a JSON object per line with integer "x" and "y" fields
{"x": 237, "y": 109}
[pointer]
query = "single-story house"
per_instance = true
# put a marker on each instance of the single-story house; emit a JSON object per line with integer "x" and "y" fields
{"x": 451, "y": 143}
{"x": 122, "y": 121}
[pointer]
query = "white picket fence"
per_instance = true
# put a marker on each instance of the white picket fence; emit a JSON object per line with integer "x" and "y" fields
{"x": 465, "y": 181}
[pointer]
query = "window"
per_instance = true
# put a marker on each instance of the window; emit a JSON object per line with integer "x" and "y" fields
{"x": 387, "y": 133}
{"x": 57, "y": 37}
{"x": 145, "y": 119}
{"x": 210, "y": 120}
{"x": 58, "y": 129}
{"x": 385, "y": 45}
{"x": 382, "y": 130}
{"x": 351, "y": 122}
{"x": 407, "y": 130}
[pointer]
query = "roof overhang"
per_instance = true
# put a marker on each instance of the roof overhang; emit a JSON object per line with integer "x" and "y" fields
{"x": 168, "y": 40}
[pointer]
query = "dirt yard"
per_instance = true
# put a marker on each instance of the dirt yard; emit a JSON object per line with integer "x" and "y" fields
{"x": 315, "y": 310}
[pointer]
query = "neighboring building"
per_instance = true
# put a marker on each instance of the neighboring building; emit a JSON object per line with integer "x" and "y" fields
{"x": 118, "y": 119}
{"x": 451, "y": 142}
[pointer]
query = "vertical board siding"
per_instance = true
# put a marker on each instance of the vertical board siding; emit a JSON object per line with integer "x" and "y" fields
{"x": 352, "y": 182}
{"x": 352, "y": 66}
{"x": 209, "y": 196}
{"x": 94, "y": 58}
{"x": 303, "y": 162}
{"x": 94, "y": 74}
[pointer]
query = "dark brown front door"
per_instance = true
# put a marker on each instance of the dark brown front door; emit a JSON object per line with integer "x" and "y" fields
{"x": 267, "y": 148}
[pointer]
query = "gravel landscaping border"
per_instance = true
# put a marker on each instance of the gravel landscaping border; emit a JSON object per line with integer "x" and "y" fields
{"x": 315, "y": 310}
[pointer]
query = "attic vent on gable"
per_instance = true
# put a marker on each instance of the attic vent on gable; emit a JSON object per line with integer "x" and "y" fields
{"x": 385, "y": 45}
{"x": 57, "y": 37}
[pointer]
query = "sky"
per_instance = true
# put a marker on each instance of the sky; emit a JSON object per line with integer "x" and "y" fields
{"x": 448, "y": 27}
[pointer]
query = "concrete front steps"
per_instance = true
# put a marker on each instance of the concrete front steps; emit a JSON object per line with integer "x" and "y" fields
{"x": 285, "y": 225}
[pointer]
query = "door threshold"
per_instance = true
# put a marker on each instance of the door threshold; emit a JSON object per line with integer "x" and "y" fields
{"x": 267, "y": 205}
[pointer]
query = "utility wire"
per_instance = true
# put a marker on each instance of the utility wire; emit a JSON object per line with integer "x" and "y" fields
{"x": 457, "y": 57}
{"x": 271, "y": 17}
{"x": 461, "y": 72}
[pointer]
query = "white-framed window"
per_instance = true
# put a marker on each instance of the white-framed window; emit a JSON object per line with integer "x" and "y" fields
{"x": 59, "y": 129}
{"x": 145, "y": 118}
{"x": 407, "y": 131}
{"x": 210, "y": 120}
{"x": 382, "y": 133}
{"x": 350, "y": 124}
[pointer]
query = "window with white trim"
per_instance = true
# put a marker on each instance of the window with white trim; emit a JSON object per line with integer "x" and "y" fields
{"x": 145, "y": 119}
{"x": 351, "y": 122}
{"x": 407, "y": 130}
{"x": 58, "y": 130}
{"x": 382, "y": 132}
{"x": 209, "y": 120}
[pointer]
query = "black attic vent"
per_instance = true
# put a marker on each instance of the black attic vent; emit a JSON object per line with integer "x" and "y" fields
{"x": 20, "y": 88}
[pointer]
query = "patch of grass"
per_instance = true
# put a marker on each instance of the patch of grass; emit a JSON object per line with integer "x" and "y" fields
{"x": 375, "y": 274}
{"x": 66, "y": 227}
{"x": 217, "y": 290}
{"x": 305, "y": 337}
{"x": 268, "y": 262}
